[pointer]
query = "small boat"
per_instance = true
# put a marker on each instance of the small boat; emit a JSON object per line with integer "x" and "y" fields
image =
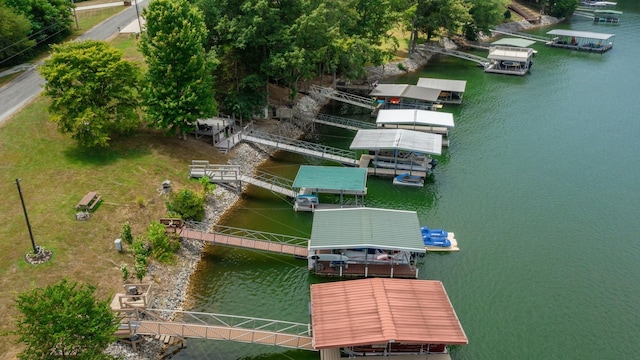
{"x": 408, "y": 180}
{"x": 435, "y": 237}
{"x": 307, "y": 201}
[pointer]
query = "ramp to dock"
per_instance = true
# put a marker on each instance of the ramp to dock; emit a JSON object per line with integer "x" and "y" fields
{"x": 345, "y": 157}
{"x": 246, "y": 238}
{"x": 521, "y": 35}
{"x": 345, "y": 123}
{"x": 455, "y": 53}
{"x": 189, "y": 324}
{"x": 342, "y": 96}
{"x": 230, "y": 175}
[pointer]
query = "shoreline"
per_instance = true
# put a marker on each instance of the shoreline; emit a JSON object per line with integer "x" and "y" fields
{"x": 172, "y": 285}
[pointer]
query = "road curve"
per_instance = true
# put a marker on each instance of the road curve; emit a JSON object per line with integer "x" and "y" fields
{"x": 23, "y": 89}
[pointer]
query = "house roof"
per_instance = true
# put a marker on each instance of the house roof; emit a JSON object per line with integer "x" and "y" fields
{"x": 406, "y": 91}
{"x": 332, "y": 179}
{"x": 581, "y": 34}
{"x": 414, "y": 117}
{"x": 443, "y": 84}
{"x": 397, "y": 139}
{"x": 378, "y": 310}
{"x": 354, "y": 228}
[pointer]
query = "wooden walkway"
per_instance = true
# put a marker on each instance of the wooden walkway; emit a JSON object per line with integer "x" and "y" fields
{"x": 244, "y": 242}
{"x": 459, "y": 54}
{"x": 324, "y": 268}
{"x": 521, "y": 35}
{"x": 214, "y": 332}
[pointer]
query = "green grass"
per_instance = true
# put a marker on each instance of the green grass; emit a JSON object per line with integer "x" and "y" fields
{"x": 90, "y": 18}
{"x": 55, "y": 174}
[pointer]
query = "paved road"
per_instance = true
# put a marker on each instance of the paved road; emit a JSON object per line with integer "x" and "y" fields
{"x": 23, "y": 89}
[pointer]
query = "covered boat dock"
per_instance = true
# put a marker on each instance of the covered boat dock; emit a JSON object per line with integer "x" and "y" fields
{"x": 451, "y": 91}
{"x": 397, "y": 151}
{"x": 581, "y": 40}
{"x": 399, "y": 318}
{"x": 419, "y": 120}
{"x": 365, "y": 242}
{"x": 311, "y": 181}
{"x": 510, "y": 56}
{"x": 403, "y": 96}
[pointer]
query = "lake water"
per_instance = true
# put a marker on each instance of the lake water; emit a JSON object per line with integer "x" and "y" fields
{"x": 540, "y": 186}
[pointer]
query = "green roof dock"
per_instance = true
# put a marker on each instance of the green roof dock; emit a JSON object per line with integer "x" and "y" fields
{"x": 312, "y": 181}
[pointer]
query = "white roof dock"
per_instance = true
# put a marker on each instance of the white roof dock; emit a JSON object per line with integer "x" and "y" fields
{"x": 443, "y": 84}
{"x": 510, "y": 53}
{"x": 516, "y": 42}
{"x": 406, "y": 91}
{"x": 397, "y": 139}
{"x": 414, "y": 117}
{"x": 581, "y": 34}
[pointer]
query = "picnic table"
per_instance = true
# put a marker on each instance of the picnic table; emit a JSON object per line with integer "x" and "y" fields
{"x": 89, "y": 201}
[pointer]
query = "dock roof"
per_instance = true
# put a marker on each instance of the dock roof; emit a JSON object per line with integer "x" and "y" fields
{"x": 511, "y": 53}
{"x": 332, "y": 179}
{"x": 414, "y": 117}
{"x": 378, "y": 311}
{"x": 354, "y": 228}
{"x": 406, "y": 91}
{"x": 397, "y": 139}
{"x": 443, "y": 84}
{"x": 517, "y": 42}
{"x": 581, "y": 34}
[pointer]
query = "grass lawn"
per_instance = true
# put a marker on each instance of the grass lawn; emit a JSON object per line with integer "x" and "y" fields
{"x": 55, "y": 174}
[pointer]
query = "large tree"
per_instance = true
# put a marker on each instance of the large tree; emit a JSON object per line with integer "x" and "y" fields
{"x": 487, "y": 13}
{"x": 93, "y": 91}
{"x": 51, "y": 20}
{"x": 14, "y": 35}
{"x": 179, "y": 80}
{"x": 64, "y": 321}
{"x": 433, "y": 17}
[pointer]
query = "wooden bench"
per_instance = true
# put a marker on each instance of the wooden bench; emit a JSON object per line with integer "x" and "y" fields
{"x": 89, "y": 201}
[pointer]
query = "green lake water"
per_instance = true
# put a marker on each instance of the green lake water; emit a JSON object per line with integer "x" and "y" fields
{"x": 540, "y": 186}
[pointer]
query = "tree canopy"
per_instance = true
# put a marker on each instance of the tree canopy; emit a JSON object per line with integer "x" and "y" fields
{"x": 63, "y": 321}
{"x": 14, "y": 35}
{"x": 50, "y": 19}
{"x": 93, "y": 91}
{"x": 178, "y": 86}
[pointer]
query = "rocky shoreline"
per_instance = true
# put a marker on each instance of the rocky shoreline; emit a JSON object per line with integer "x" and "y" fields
{"x": 171, "y": 284}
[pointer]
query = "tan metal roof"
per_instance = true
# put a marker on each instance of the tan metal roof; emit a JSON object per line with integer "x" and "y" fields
{"x": 378, "y": 311}
{"x": 443, "y": 84}
{"x": 406, "y": 91}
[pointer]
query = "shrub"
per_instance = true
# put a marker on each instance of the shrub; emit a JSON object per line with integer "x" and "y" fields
{"x": 207, "y": 186}
{"x": 126, "y": 233}
{"x": 507, "y": 14}
{"x": 125, "y": 272}
{"x": 162, "y": 246}
{"x": 187, "y": 204}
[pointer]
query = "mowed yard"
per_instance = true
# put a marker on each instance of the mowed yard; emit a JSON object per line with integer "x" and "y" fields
{"x": 55, "y": 174}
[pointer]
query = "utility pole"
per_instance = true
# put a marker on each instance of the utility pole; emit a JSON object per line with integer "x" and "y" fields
{"x": 24, "y": 208}
{"x": 75, "y": 15}
{"x": 138, "y": 15}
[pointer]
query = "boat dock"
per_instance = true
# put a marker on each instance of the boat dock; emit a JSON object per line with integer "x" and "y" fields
{"x": 312, "y": 181}
{"x": 581, "y": 40}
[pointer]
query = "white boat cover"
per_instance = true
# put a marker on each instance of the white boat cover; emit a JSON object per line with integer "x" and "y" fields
{"x": 443, "y": 84}
{"x": 397, "y": 139}
{"x": 414, "y": 117}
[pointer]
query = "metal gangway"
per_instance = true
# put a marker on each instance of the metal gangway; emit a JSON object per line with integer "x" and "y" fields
{"x": 531, "y": 37}
{"x": 246, "y": 238}
{"x": 344, "y": 123}
{"x": 231, "y": 175}
{"x": 345, "y": 97}
{"x": 346, "y": 157}
{"x": 455, "y": 53}
{"x": 199, "y": 325}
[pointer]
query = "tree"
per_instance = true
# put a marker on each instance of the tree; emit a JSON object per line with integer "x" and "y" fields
{"x": 63, "y": 321}
{"x": 51, "y": 20}
{"x": 561, "y": 8}
{"x": 94, "y": 93}
{"x": 188, "y": 204}
{"x": 179, "y": 82}
{"x": 435, "y": 16}
{"x": 14, "y": 35}
{"x": 487, "y": 13}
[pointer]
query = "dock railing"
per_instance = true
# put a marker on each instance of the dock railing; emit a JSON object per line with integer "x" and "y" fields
{"x": 247, "y": 233}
